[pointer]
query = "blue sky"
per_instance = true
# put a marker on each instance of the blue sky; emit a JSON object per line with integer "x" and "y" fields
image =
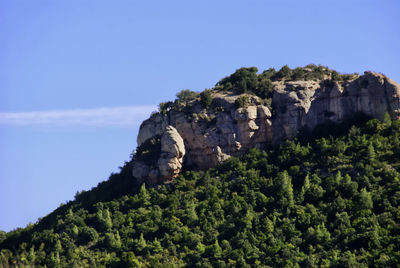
{"x": 78, "y": 77}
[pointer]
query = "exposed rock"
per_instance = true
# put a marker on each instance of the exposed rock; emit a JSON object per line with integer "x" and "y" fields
{"x": 170, "y": 159}
{"x": 206, "y": 137}
{"x": 172, "y": 153}
{"x": 372, "y": 94}
{"x": 155, "y": 126}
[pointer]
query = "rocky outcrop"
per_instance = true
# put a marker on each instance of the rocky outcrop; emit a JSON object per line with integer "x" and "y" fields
{"x": 169, "y": 161}
{"x": 309, "y": 104}
{"x": 202, "y": 138}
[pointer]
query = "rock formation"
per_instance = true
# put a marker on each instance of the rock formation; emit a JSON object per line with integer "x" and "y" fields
{"x": 204, "y": 137}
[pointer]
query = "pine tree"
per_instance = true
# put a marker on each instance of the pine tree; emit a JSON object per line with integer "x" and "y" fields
{"x": 387, "y": 120}
{"x": 286, "y": 189}
{"x": 304, "y": 188}
{"x": 144, "y": 196}
{"x": 371, "y": 152}
{"x": 107, "y": 219}
{"x": 141, "y": 244}
{"x": 156, "y": 246}
{"x": 365, "y": 199}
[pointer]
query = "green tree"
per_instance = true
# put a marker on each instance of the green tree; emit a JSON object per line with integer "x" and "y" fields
{"x": 365, "y": 199}
{"x": 214, "y": 250}
{"x": 242, "y": 102}
{"x": 113, "y": 240}
{"x": 103, "y": 219}
{"x": 371, "y": 152}
{"x": 130, "y": 260}
{"x": 141, "y": 244}
{"x": 241, "y": 81}
{"x": 206, "y": 98}
{"x": 284, "y": 72}
{"x": 144, "y": 196}
{"x": 387, "y": 120}
{"x": 186, "y": 95}
{"x": 285, "y": 189}
{"x": 88, "y": 235}
{"x": 304, "y": 188}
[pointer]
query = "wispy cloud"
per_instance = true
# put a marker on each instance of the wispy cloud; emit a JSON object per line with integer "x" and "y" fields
{"x": 107, "y": 116}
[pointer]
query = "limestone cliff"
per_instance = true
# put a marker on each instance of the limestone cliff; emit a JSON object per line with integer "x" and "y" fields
{"x": 193, "y": 135}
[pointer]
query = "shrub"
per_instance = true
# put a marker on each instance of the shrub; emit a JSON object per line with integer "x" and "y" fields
{"x": 242, "y": 102}
{"x": 165, "y": 107}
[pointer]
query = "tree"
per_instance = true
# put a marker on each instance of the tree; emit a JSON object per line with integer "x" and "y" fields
{"x": 371, "y": 152}
{"x": 57, "y": 246}
{"x": 285, "y": 189}
{"x": 206, "y": 98}
{"x": 113, "y": 240}
{"x": 156, "y": 246}
{"x": 103, "y": 219}
{"x": 284, "y": 72}
{"x": 140, "y": 244}
{"x": 297, "y": 74}
{"x": 87, "y": 235}
{"x": 144, "y": 196}
{"x": 264, "y": 88}
{"x": 130, "y": 260}
{"x": 214, "y": 250}
{"x": 304, "y": 188}
{"x": 242, "y": 102}
{"x": 241, "y": 81}
{"x": 387, "y": 120}
{"x": 365, "y": 199}
{"x": 268, "y": 73}
{"x": 186, "y": 95}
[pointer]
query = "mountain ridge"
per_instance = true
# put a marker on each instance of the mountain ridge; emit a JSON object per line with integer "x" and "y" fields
{"x": 246, "y": 110}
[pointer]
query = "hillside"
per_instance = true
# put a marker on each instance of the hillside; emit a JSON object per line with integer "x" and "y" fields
{"x": 329, "y": 196}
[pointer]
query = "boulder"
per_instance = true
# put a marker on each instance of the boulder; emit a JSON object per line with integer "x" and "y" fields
{"x": 170, "y": 159}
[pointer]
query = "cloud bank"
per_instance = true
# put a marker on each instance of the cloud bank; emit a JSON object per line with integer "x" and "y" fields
{"x": 107, "y": 116}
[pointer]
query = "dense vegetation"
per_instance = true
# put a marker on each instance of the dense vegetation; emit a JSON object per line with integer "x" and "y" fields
{"x": 248, "y": 80}
{"x": 328, "y": 198}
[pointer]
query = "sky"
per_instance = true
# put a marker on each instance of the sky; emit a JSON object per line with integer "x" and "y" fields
{"x": 77, "y": 77}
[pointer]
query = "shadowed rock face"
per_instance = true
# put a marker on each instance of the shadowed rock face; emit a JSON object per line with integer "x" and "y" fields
{"x": 313, "y": 103}
{"x": 209, "y": 136}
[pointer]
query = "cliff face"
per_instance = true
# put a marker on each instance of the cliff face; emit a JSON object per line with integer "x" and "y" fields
{"x": 312, "y": 103}
{"x": 205, "y": 137}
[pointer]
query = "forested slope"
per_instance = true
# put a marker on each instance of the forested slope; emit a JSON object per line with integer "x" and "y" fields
{"x": 330, "y": 198}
